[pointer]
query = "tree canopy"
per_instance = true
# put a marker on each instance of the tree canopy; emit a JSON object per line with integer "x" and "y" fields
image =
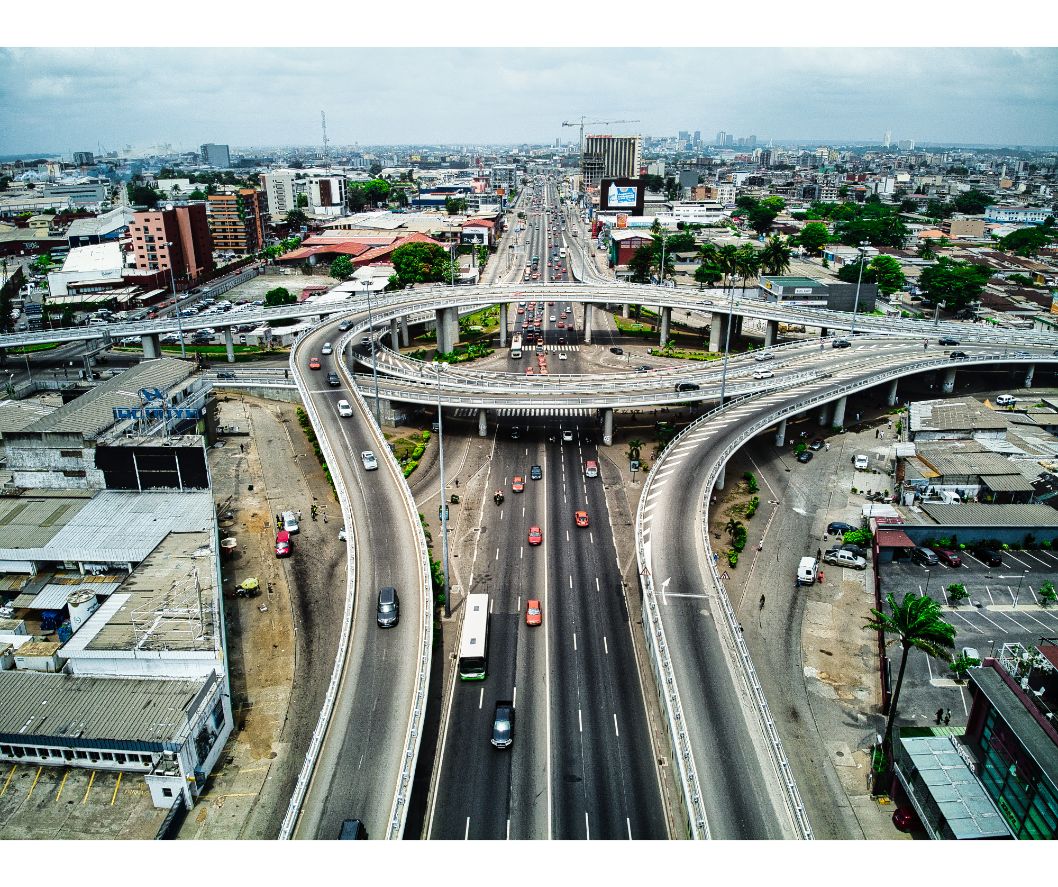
{"x": 1027, "y": 241}
{"x": 953, "y": 283}
{"x": 885, "y": 271}
{"x": 341, "y": 268}
{"x": 761, "y": 213}
{"x": 142, "y": 195}
{"x": 641, "y": 264}
{"x": 279, "y": 296}
{"x": 814, "y": 236}
{"x": 359, "y": 195}
{"x": 421, "y": 263}
{"x": 775, "y": 256}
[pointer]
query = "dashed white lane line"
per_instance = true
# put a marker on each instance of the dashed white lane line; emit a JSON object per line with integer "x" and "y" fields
{"x": 605, "y": 646}
{"x": 616, "y": 731}
{"x": 580, "y": 723}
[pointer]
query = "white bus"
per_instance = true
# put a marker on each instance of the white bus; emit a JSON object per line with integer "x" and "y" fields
{"x": 474, "y": 640}
{"x": 516, "y": 346}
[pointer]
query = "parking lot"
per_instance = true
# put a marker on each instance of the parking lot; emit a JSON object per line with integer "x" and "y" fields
{"x": 1002, "y": 608}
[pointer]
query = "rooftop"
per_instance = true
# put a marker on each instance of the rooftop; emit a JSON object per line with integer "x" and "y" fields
{"x": 792, "y": 281}
{"x": 954, "y": 415}
{"x": 983, "y": 514}
{"x": 96, "y": 257}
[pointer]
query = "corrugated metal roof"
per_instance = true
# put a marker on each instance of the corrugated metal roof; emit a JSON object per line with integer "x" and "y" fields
{"x": 984, "y": 515}
{"x": 953, "y": 415}
{"x": 31, "y": 522}
{"x": 93, "y": 411}
{"x": 1006, "y": 483}
{"x": 54, "y": 595}
{"x": 18, "y": 414}
{"x": 72, "y": 707}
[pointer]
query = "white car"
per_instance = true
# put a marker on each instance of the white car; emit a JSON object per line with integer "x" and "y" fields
{"x": 562, "y": 355}
{"x": 553, "y": 318}
{"x": 567, "y": 436}
{"x": 345, "y": 408}
{"x": 369, "y": 460}
{"x": 1006, "y": 400}
{"x": 763, "y": 356}
{"x": 326, "y": 349}
{"x": 763, "y": 374}
{"x": 860, "y": 462}
{"x": 290, "y": 522}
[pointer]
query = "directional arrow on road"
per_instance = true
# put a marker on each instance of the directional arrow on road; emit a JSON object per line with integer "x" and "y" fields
{"x": 665, "y": 585}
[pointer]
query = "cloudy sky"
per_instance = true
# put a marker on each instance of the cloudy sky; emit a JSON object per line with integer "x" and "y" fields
{"x": 62, "y": 100}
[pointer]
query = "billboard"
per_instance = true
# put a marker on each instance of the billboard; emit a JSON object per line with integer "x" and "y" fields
{"x": 622, "y": 195}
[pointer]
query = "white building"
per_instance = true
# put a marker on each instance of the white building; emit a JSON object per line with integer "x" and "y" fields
{"x": 1023, "y": 215}
{"x": 100, "y": 264}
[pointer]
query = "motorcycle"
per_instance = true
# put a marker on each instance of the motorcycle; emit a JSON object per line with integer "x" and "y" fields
{"x": 498, "y": 497}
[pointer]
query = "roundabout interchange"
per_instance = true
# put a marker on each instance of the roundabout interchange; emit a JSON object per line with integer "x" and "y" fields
{"x": 588, "y": 753}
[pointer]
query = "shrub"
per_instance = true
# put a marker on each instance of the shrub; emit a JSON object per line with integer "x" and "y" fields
{"x": 1047, "y": 593}
{"x": 858, "y": 537}
{"x": 426, "y": 435}
{"x": 1045, "y": 544}
{"x": 751, "y": 508}
{"x": 410, "y": 467}
{"x": 732, "y": 558}
{"x": 956, "y": 592}
{"x": 800, "y": 448}
{"x": 751, "y": 482}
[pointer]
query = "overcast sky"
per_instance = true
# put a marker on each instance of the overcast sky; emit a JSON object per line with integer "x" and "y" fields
{"x": 63, "y": 100}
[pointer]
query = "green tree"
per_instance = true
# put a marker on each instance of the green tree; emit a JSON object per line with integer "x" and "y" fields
{"x": 763, "y": 214}
{"x": 302, "y": 201}
{"x": 455, "y": 205}
{"x": 962, "y": 664}
{"x": 915, "y": 623}
{"x": 341, "y": 268}
{"x": 707, "y": 275}
{"x": 907, "y": 205}
{"x": 42, "y": 264}
{"x": 886, "y": 230}
{"x": 953, "y": 283}
{"x": 375, "y": 168}
{"x": 641, "y": 264}
{"x": 775, "y": 256}
{"x": 653, "y": 183}
{"x": 681, "y": 242}
{"x": 141, "y": 195}
{"x": 926, "y": 250}
{"x": 1027, "y": 241}
{"x": 296, "y": 218}
{"x": 956, "y": 592}
{"x": 280, "y": 296}
{"x": 814, "y": 236}
{"x": 421, "y": 263}
{"x": 888, "y": 274}
{"x": 748, "y": 264}
{"x": 972, "y": 202}
{"x": 727, "y": 261}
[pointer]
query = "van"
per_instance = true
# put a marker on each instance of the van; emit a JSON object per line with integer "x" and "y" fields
{"x": 1006, "y": 400}
{"x": 806, "y": 571}
{"x": 591, "y": 468}
{"x": 388, "y": 611}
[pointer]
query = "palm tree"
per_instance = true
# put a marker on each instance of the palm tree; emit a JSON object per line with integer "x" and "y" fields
{"x": 732, "y": 525}
{"x": 727, "y": 261}
{"x": 917, "y": 623}
{"x": 775, "y": 257}
{"x": 747, "y": 264}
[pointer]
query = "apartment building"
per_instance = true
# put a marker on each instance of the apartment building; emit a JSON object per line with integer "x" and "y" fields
{"x": 324, "y": 193}
{"x": 611, "y": 157}
{"x": 176, "y": 238}
{"x": 235, "y": 221}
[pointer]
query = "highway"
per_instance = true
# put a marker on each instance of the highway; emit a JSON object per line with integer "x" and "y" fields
{"x": 363, "y": 755}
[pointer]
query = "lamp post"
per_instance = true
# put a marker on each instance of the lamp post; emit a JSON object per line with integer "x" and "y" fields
{"x": 1017, "y": 594}
{"x": 856, "y": 302}
{"x": 371, "y": 339}
{"x": 176, "y": 302}
{"x": 438, "y": 367}
{"x": 928, "y": 576}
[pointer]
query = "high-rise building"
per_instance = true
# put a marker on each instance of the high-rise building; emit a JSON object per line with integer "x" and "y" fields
{"x": 175, "y": 237}
{"x": 216, "y": 155}
{"x": 83, "y": 158}
{"x": 235, "y": 221}
{"x": 697, "y": 137}
{"x": 721, "y": 139}
{"x": 888, "y": 138}
{"x": 610, "y": 157}
{"x": 729, "y": 140}
{"x": 279, "y": 193}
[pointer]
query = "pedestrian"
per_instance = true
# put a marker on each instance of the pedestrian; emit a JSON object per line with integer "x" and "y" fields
{"x": 947, "y": 717}
{"x": 826, "y": 446}
{"x": 457, "y": 483}
{"x": 241, "y": 450}
{"x": 940, "y": 714}
{"x": 760, "y": 545}
{"x": 761, "y": 606}
{"x": 819, "y": 553}
{"x": 877, "y": 431}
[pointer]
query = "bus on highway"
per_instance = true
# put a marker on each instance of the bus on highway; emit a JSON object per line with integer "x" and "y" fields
{"x": 474, "y": 640}
{"x": 516, "y": 346}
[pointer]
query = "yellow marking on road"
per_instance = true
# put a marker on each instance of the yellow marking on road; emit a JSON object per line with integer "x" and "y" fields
{"x": 36, "y": 779}
{"x": 88, "y": 790}
{"x": 254, "y": 770}
{"x": 62, "y": 785}
{"x": 7, "y": 781}
{"x": 117, "y": 785}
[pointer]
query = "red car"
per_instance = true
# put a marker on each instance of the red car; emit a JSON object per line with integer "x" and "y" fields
{"x": 314, "y": 363}
{"x": 518, "y": 484}
{"x": 535, "y": 536}
{"x": 533, "y": 614}
{"x": 906, "y": 820}
{"x": 581, "y": 517}
{"x": 284, "y": 548}
{"x": 948, "y": 557}
{"x": 561, "y": 325}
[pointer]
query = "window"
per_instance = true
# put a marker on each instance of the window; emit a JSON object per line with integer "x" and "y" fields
{"x": 70, "y": 454}
{"x": 167, "y": 792}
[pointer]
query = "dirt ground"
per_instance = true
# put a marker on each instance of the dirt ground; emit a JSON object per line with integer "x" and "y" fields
{"x": 280, "y": 644}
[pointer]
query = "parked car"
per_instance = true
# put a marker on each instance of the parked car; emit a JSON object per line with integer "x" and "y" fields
{"x": 924, "y": 556}
{"x": 283, "y": 544}
{"x": 852, "y": 549}
{"x": 839, "y": 528}
{"x": 617, "y": 350}
{"x": 842, "y": 558}
{"x": 947, "y": 340}
{"x": 816, "y": 444}
{"x": 948, "y": 557}
{"x": 840, "y": 343}
{"x": 290, "y": 522}
{"x": 988, "y": 556}
{"x": 956, "y": 355}
{"x": 860, "y": 462}
{"x": 805, "y": 457}
{"x": 369, "y": 460}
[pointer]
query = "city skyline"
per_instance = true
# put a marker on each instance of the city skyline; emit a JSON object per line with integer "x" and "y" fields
{"x": 85, "y": 99}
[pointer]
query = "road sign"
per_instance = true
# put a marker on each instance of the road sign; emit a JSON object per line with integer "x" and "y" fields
{"x": 633, "y": 465}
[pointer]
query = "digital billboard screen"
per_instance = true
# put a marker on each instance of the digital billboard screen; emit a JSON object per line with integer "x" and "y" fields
{"x": 622, "y": 195}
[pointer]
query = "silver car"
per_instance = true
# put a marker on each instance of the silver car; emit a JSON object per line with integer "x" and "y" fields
{"x": 369, "y": 460}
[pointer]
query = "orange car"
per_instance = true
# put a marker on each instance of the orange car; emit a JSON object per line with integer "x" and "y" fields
{"x": 518, "y": 484}
{"x": 314, "y": 363}
{"x": 535, "y": 536}
{"x": 533, "y": 614}
{"x": 581, "y": 517}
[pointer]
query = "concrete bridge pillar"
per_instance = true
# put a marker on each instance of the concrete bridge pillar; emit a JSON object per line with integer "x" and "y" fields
{"x": 892, "y": 399}
{"x": 839, "y": 412}
{"x": 780, "y": 434}
{"x": 771, "y": 332}
{"x": 394, "y": 334}
{"x": 1030, "y": 371}
{"x": 483, "y": 422}
{"x": 716, "y": 330}
{"x": 447, "y": 329}
{"x": 626, "y": 311}
{"x": 587, "y": 323}
{"x": 405, "y": 336}
{"x": 824, "y": 413}
{"x": 607, "y": 427}
{"x": 822, "y": 332}
{"x": 503, "y": 325}
{"x": 721, "y": 479}
{"x": 949, "y": 381}
{"x": 229, "y": 344}
{"x": 151, "y": 347}
{"x": 736, "y": 330}
{"x": 666, "y": 320}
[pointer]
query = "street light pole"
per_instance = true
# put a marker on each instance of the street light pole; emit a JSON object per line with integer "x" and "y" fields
{"x": 371, "y": 339}
{"x": 727, "y": 344}
{"x": 1017, "y": 594}
{"x": 176, "y": 302}
{"x": 438, "y": 366}
{"x": 859, "y": 280}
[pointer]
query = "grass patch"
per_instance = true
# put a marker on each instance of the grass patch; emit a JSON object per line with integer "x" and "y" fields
{"x": 29, "y": 349}
{"x": 685, "y": 354}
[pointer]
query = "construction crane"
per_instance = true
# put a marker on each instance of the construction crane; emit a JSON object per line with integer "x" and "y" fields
{"x": 592, "y": 123}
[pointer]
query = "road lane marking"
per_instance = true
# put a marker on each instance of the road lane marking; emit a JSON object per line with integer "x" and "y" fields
{"x": 587, "y": 829}
{"x": 497, "y": 555}
{"x": 62, "y": 785}
{"x": 664, "y": 585}
{"x": 514, "y": 697}
{"x": 521, "y": 552}
{"x": 580, "y": 721}
{"x": 616, "y": 731}
{"x": 628, "y": 822}
{"x": 605, "y": 646}
{"x": 88, "y": 790}
{"x": 466, "y": 833}
{"x": 492, "y": 601}
{"x": 571, "y": 582}
{"x": 574, "y": 640}
{"x": 7, "y": 781}
{"x": 597, "y": 588}
{"x": 37, "y": 779}
{"x": 519, "y": 607}
{"x": 117, "y": 785}
{"x": 508, "y": 829}
{"x": 567, "y": 535}
{"x": 481, "y": 698}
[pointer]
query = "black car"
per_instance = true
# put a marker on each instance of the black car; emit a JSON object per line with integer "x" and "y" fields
{"x": 617, "y": 350}
{"x": 947, "y": 340}
{"x": 955, "y": 355}
{"x": 837, "y": 527}
{"x": 388, "y": 613}
{"x": 535, "y": 473}
{"x": 225, "y": 374}
{"x": 353, "y": 830}
{"x": 840, "y": 343}
{"x": 345, "y": 325}
{"x": 805, "y": 457}
{"x": 988, "y": 556}
{"x": 503, "y": 724}
{"x": 333, "y": 380}
{"x": 687, "y": 386}
{"x": 816, "y": 444}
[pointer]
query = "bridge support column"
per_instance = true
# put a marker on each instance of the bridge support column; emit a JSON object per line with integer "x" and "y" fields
{"x": 607, "y": 427}
{"x": 716, "y": 331}
{"x": 483, "y": 422}
{"x": 736, "y": 330}
{"x": 405, "y": 336}
{"x": 587, "y": 323}
{"x": 394, "y": 334}
{"x": 229, "y": 344}
{"x": 503, "y": 325}
{"x": 822, "y": 332}
{"x": 949, "y": 381}
{"x": 721, "y": 479}
{"x": 666, "y": 320}
{"x": 385, "y": 410}
{"x": 839, "y": 412}
{"x": 151, "y": 347}
{"x": 892, "y": 400}
{"x": 447, "y": 329}
{"x": 626, "y": 311}
{"x": 824, "y": 413}
{"x": 771, "y": 332}
{"x": 1030, "y": 371}
{"x": 780, "y": 434}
